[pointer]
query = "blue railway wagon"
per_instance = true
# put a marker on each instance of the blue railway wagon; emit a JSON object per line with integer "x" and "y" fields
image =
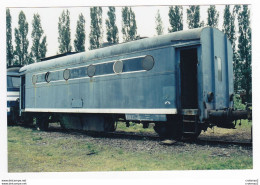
{"x": 13, "y": 87}
{"x": 179, "y": 81}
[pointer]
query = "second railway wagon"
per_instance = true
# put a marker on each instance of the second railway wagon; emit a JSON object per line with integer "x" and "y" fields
{"x": 182, "y": 82}
{"x": 13, "y": 85}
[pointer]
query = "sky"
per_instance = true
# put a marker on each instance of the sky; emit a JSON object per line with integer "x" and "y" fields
{"x": 145, "y": 19}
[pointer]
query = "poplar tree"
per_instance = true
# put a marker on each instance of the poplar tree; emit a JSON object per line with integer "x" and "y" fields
{"x": 80, "y": 36}
{"x": 213, "y": 16}
{"x": 129, "y": 28}
{"x": 230, "y": 30}
{"x": 21, "y": 41}
{"x": 159, "y": 24}
{"x": 193, "y": 17}
{"x": 96, "y": 31}
{"x": 39, "y": 45}
{"x": 175, "y": 18}
{"x": 9, "y": 45}
{"x": 229, "y": 25}
{"x": 245, "y": 50}
{"x": 112, "y": 30}
{"x": 64, "y": 32}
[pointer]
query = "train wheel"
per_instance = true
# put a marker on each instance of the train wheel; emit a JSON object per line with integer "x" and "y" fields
{"x": 27, "y": 120}
{"x": 10, "y": 122}
{"x": 192, "y": 136}
{"x": 162, "y": 130}
{"x": 62, "y": 124}
{"x": 169, "y": 130}
{"x": 42, "y": 123}
{"x": 109, "y": 124}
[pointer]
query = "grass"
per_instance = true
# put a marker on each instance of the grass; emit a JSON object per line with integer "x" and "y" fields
{"x": 240, "y": 133}
{"x": 34, "y": 151}
{"x": 134, "y": 127}
{"x": 244, "y": 128}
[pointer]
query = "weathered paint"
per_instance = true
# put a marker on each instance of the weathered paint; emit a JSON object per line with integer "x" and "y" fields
{"x": 135, "y": 89}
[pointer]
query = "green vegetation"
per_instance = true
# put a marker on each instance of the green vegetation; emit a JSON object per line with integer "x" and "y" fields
{"x": 64, "y": 32}
{"x": 238, "y": 103}
{"x": 138, "y": 128}
{"x": 241, "y": 133}
{"x": 21, "y": 40}
{"x": 129, "y": 27}
{"x": 80, "y": 37}
{"x": 112, "y": 30}
{"x": 34, "y": 151}
{"x": 96, "y": 30}
{"x": 134, "y": 127}
{"x": 175, "y": 18}
{"x": 9, "y": 42}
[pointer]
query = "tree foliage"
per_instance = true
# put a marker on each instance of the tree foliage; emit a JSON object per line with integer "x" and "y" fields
{"x": 230, "y": 30}
{"x": 129, "y": 28}
{"x": 43, "y": 47}
{"x": 229, "y": 25}
{"x": 176, "y": 18}
{"x": 245, "y": 50}
{"x": 238, "y": 103}
{"x": 39, "y": 45}
{"x": 96, "y": 31}
{"x": 80, "y": 37}
{"x": 9, "y": 45}
{"x": 213, "y": 16}
{"x": 64, "y": 32}
{"x": 159, "y": 24}
{"x": 21, "y": 41}
{"x": 193, "y": 17}
{"x": 112, "y": 30}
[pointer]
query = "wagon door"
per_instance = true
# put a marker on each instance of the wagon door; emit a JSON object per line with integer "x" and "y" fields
{"x": 188, "y": 79}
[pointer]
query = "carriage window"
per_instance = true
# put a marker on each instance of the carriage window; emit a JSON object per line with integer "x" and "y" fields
{"x": 34, "y": 79}
{"x": 13, "y": 81}
{"x": 66, "y": 74}
{"x": 16, "y": 81}
{"x": 134, "y": 64}
{"x": 148, "y": 62}
{"x": 118, "y": 67}
{"x": 48, "y": 77}
{"x": 219, "y": 65}
{"x": 40, "y": 78}
{"x": 103, "y": 69}
{"x": 91, "y": 70}
{"x": 78, "y": 72}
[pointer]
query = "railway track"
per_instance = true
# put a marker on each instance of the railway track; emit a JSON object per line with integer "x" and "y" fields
{"x": 154, "y": 137}
{"x": 149, "y": 136}
{"x": 218, "y": 142}
{"x": 169, "y": 142}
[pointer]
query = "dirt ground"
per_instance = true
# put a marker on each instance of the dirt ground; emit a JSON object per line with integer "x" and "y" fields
{"x": 240, "y": 134}
{"x": 153, "y": 146}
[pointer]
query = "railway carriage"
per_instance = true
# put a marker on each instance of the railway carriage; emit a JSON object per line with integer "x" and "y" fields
{"x": 13, "y": 87}
{"x": 182, "y": 82}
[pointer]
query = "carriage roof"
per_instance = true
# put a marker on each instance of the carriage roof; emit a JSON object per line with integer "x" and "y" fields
{"x": 119, "y": 49}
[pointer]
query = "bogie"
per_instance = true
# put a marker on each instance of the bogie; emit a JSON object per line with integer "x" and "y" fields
{"x": 42, "y": 123}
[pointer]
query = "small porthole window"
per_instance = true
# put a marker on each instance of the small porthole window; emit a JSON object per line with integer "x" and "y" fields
{"x": 91, "y": 70}
{"x": 66, "y": 74}
{"x": 34, "y": 79}
{"x": 118, "y": 67}
{"x": 48, "y": 77}
{"x": 148, "y": 62}
{"x": 219, "y": 67}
